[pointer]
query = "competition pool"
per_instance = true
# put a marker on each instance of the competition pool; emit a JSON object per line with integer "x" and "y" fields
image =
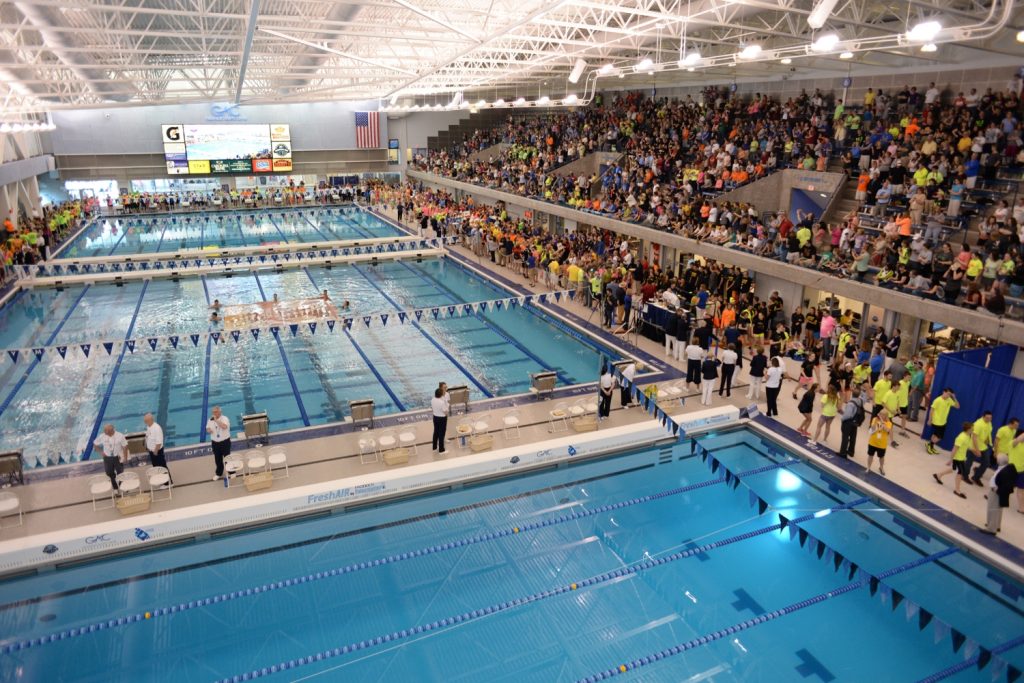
{"x": 131, "y": 235}
{"x": 53, "y": 408}
{"x": 644, "y": 566}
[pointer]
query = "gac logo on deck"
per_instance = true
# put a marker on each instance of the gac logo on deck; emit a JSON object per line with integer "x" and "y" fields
{"x": 101, "y": 538}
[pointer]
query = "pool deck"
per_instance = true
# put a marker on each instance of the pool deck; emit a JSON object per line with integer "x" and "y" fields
{"x": 55, "y": 501}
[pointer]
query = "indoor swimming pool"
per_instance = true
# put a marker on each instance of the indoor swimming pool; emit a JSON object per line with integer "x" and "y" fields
{"x": 645, "y": 566}
{"x": 52, "y": 408}
{"x": 131, "y": 235}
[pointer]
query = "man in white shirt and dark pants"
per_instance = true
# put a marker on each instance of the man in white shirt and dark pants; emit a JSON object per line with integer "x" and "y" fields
{"x": 114, "y": 447}
{"x": 219, "y": 429}
{"x": 439, "y": 406}
{"x": 155, "y": 443}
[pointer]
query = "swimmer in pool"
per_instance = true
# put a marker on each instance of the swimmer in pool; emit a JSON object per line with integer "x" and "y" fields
{"x": 215, "y": 305}
{"x": 325, "y": 296}
{"x": 276, "y": 300}
{"x": 345, "y": 306}
{"x": 215, "y": 318}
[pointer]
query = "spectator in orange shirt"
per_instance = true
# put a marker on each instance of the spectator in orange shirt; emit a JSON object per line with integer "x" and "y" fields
{"x": 904, "y": 225}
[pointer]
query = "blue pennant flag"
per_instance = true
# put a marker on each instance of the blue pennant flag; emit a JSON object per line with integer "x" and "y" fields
{"x": 294, "y": 328}
{"x": 543, "y": 298}
{"x": 38, "y": 353}
{"x": 526, "y": 300}
{"x": 235, "y": 334}
{"x": 195, "y": 339}
{"x": 255, "y": 333}
{"x": 366, "y": 320}
{"x": 384, "y": 319}
{"x": 85, "y": 349}
{"x": 108, "y": 347}
{"x": 558, "y": 296}
{"x": 347, "y": 323}
{"x": 274, "y": 330}
{"x": 152, "y": 343}
{"x": 215, "y": 336}
{"x": 483, "y": 306}
{"x": 174, "y": 340}
{"x": 435, "y": 312}
{"x": 467, "y": 309}
{"x": 572, "y": 294}
{"x": 13, "y": 353}
{"x": 249, "y": 259}
{"x": 418, "y": 314}
{"x": 451, "y": 311}
{"x": 401, "y": 317}
{"x": 498, "y": 304}
{"x": 330, "y": 325}
{"x": 312, "y": 327}
{"x": 130, "y": 344}
{"x": 63, "y": 351}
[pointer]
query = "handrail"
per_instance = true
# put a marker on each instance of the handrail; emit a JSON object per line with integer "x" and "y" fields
{"x": 1000, "y": 329}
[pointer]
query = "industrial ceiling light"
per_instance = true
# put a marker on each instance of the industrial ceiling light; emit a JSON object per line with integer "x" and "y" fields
{"x": 1020, "y": 36}
{"x": 786, "y": 60}
{"x": 570, "y": 99}
{"x": 924, "y": 32}
{"x": 480, "y": 104}
{"x": 825, "y": 43}
{"x": 543, "y": 100}
{"x": 520, "y": 101}
{"x": 5, "y": 127}
{"x": 606, "y": 69}
{"x": 820, "y": 14}
{"x": 750, "y": 51}
{"x": 846, "y": 55}
{"x": 16, "y": 127}
{"x": 691, "y": 69}
{"x": 577, "y": 70}
{"x": 691, "y": 59}
{"x": 644, "y": 64}
{"x": 929, "y": 47}
{"x": 499, "y": 102}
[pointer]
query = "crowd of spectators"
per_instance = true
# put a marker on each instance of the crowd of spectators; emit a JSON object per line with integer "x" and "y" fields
{"x": 932, "y": 177}
{"x": 293, "y": 194}
{"x": 29, "y": 239}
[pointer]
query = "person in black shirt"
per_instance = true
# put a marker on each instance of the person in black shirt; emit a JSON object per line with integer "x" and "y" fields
{"x": 671, "y": 325}
{"x": 704, "y": 336}
{"x": 806, "y": 409}
{"x": 758, "y": 363}
{"x": 708, "y": 375}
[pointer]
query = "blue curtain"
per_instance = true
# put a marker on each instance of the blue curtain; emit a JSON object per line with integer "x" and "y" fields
{"x": 977, "y": 389}
{"x": 1002, "y": 358}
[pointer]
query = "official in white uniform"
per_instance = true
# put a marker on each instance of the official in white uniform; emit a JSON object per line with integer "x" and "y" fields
{"x": 219, "y": 429}
{"x": 114, "y": 447}
{"x": 439, "y": 407}
{"x": 155, "y": 443}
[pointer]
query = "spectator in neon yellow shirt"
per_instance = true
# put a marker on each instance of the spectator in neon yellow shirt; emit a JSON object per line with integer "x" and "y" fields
{"x": 964, "y": 443}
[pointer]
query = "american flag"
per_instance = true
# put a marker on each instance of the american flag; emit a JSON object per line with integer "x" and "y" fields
{"x": 367, "y": 129}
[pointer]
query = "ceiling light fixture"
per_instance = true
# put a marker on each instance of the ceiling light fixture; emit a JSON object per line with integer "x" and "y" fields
{"x": 570, "y": 99}
{"x": 644, "y": 64}
{"x": 825, "y": 43}
{"x": 543, "y": 100}
{"x": 577, "y": 70}
{"x": 786, "y": 60}
{"x": 480, "y": 104}
{"x": 846, "y": 55}
{"x": 16, "y": 127}
{"x": 929, "y": 47}
{"x": 519, "y": 102}
{"x": 1020, "y": 36}
{"x": 606, "y": 69}
{"x": 820, "y": 14}
{"x": 499, "y": 102}
{"x": 924, "y": 32}
{"x": 750, "y": 52}
{"x": 692, "y": 59}
{"x": 690, "y": 69}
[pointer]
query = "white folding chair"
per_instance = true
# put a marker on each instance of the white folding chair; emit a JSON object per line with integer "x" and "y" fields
{"x": 464, "y": 429}
{"x": 159, "y": 479}
{"x": 255, "y": 461}
{"x": 233, "y": 465}
{"x": 9, "y": 504}
{"x": 407, "y": 439}
{"x": 368, "y": 452}
{"x": 578, "y": 408}
{"x": 558, "y": 418}
{"x": 128, "y": 484}
{"x": 482, "y": 425}
{"x": 510, "y": 424}
{"x": 99, "y": 488}
{"x": 387, "y": 440}
{"x": 276, "y": 458}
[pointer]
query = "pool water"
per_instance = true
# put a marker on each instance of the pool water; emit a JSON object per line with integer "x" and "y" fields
{"x": 53, "y": 408}
{"x": 131, "y": 235}
{"x": 460, "y": 596}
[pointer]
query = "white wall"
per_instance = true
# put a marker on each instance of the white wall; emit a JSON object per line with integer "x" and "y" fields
{"x": 136, "y": 130}
{"x": 412, "y": 130}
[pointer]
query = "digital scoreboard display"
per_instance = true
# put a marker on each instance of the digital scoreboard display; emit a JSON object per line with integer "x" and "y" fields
{"x": 204, "y": 149}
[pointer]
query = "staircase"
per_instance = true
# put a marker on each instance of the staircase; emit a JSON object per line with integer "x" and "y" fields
{"x": 846, "y": 199}
{"x": 482, "y": 120}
